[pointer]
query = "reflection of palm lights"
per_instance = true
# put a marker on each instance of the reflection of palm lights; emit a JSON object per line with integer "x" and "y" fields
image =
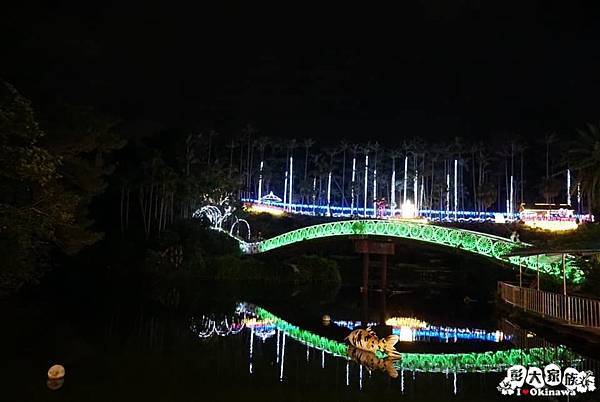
{"x": 405, "y": 322}
{"x": 264, "y": 329}
{"x": 408, "y": 334}
{"x": 254, "y": 322}
{"x": 405, "y": 334}
{"x": 352, "y": 324}
{"x": 206, "y": 327}
{"x": 264, "y": 332}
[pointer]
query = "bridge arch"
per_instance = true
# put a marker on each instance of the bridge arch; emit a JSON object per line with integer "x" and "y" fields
{"x": 483, "y": 244}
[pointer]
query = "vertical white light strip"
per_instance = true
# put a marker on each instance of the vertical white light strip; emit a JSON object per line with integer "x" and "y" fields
{"x": 374, "y": 192}
{"x": 512, "y": 201}
{"x": 455, "y": 388}
{"x": 416, "y": 190}
{"x": 347, "y": 374}
{"x": 329, "y": 194}
{"x": 278, "y": 336}
{"x": 251, "y": 348}
{"x": 421, "y": 196}
{"x": 314, "y": 192}
{"x": 260, "y": 179}
{"x": 353, "y": 181}
{"x": 455, "y": 188}
{"x": 282, "y": 357}
{"x": 360, "y": 370}
{"x": 285, "y": 189}
{"x": 405, "y": 178}
{"x": 447, "y": 194}
{"x": 568, "y": 186}
{"x": 402, "y": 381}
{"x": 291, "y": 181}
{"x": 322, "y": 359}
{"x": 307, "y": 352}
{"x": 393, "y": 190}
{"x": 366, "y": 182}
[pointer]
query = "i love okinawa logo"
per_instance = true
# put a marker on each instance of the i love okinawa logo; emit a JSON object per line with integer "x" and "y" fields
{"x": 549, "y": 381}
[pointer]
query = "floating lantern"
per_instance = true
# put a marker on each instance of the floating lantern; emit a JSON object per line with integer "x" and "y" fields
{"x": 56, "y": 372}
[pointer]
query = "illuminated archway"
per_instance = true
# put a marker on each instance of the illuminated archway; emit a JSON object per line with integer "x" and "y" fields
{"x": 474, "y": 242}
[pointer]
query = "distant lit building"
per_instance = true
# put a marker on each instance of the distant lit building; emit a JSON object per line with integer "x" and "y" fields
{"x": 549, "y": 216}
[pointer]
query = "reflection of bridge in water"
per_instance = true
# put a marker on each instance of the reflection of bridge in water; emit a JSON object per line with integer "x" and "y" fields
{"x": 260, "y": 323}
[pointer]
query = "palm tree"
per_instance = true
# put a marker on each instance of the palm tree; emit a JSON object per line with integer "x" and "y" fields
{"x": 232, "y": 145}
{"x": 549, "y": 138}
{"x": 394, "y": 154}
{"x": 366, "y": 150}
{"x": 331, "y": 152}
{"x": 521, "y": 147}
{"x": 586, "y": 157}
{"x": 344, "y": 146}
{"x": 262, "y": 143}
{"x": 292, "y": 144}
{"x": 308, "y": 143}
{"x": 354, "y": 189}
{"x": 211, "y": 135}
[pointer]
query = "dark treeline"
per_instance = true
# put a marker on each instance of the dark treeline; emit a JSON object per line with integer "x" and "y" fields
{"x": 71, "y": 175}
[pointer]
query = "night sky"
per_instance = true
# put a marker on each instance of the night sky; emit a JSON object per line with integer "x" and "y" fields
{"x": 467, "y": 69}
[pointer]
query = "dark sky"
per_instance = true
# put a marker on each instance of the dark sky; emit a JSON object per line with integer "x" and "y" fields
{"x": 464, "y": 68}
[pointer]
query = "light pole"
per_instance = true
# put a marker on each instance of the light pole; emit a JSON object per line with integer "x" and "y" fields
{"x": 366, "y": 181}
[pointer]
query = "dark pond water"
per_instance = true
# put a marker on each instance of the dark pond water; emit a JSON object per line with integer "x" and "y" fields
{"x": 207, "y": 342}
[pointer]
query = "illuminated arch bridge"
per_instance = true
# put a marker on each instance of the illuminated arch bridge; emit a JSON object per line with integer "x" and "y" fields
{"x": 483, "y": 244}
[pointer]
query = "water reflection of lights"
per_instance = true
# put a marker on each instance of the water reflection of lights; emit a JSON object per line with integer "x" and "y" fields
{"x": 448, "y": 334}
{"x": 491, "y": 361}
{"x": 263, "y": 324}
{"x": 264, "y": 329}
{"x": 411, "y": 329}
{"x": 352, "y": 324}
{"x": 206, "y": 327}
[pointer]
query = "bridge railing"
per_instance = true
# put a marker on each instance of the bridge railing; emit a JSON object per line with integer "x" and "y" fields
{"x": 572, "y": 310}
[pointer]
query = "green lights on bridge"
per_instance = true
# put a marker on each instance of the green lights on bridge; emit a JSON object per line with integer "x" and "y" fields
{"x": 478, "y": 243}
{"x": 429, "y": 362}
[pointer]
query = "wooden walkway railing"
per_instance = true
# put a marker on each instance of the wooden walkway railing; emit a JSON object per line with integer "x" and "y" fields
{"x": 569, "y": 309}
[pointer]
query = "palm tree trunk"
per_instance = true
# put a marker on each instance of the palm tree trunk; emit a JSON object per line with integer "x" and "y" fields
{"x": 432, "y": 185}
{"x": 344, "y": 179}
{"x": 474, "y": 187}
{"x": 522, "y": 197}
{"x": 305, "y": 163}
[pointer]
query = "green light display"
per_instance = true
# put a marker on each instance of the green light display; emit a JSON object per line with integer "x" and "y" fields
{"x": 478, "y": 243}
{"x": 429, "y": 362}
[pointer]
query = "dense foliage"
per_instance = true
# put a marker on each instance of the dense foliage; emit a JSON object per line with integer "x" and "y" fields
{"x": 47, "y": 181}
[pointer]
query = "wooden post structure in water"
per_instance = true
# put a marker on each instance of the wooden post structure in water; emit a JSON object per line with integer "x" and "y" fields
{"x": 366, "y": 247}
